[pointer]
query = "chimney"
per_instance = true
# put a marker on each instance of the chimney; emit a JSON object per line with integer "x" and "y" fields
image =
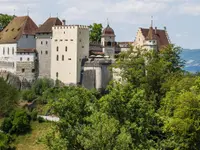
{"x": 155, "y": 30}
{"x": 63, "y": 22}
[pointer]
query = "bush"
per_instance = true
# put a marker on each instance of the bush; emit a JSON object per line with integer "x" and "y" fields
{"x": 17, "y": 123}
{"x": 41, "y": 120}
{"x": 28, "y": 95}
{"x": 34, "y": 114}
{"x": 4, "y": 141}
{"x": 21, "y": 122}
{"x": 6, "y": 125}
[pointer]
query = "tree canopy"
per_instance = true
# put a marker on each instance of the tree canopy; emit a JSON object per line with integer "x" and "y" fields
{"x": 95, "y": 32}
{"x": 5, "y": 20}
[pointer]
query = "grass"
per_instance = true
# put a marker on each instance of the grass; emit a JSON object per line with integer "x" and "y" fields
{"x": 29, "y": 141}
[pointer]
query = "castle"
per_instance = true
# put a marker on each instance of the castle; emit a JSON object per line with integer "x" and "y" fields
{"x": 59, "y": 51}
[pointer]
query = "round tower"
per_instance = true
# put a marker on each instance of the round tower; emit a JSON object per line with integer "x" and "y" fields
{"x": 108, "y": 41}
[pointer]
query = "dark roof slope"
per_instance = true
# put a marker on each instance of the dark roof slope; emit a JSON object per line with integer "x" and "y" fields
{"x": 16, "y": 28}
{"x": 46, "y": 27}
{"x": 160, "y": 35}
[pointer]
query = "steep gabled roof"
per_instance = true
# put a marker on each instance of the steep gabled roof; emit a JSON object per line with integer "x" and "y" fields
{"x": 16, "y": 28}
{"x": 160, "y": 35}
{"x": 46, "y": 27}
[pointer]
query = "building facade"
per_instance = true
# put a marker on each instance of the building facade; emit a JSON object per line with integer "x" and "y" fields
{"x": 70, "y": 45}
{"x": 17, "y": 35}
{"x": 43, "y": 46}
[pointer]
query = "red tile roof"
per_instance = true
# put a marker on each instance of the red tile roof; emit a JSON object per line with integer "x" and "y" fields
{"x": 46, "y": 27}
{"x": 160, "y": 35}
{"x": 16, "y": 28}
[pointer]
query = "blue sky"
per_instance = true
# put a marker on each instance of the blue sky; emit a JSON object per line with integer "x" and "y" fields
{"x": 181, "y": 17}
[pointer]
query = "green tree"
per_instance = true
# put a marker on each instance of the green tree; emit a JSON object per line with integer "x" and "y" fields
{"x": 95, "y": 32}
{"x": 8, "y": 98}
{"x": 72, "y": 105}
{"x": 180, "y": 112}
{"x": 5, "y": 142}
{"x": 5, "y": 20}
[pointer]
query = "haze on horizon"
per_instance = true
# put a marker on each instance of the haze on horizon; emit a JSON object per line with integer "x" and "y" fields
{"x": 181, "y": 17}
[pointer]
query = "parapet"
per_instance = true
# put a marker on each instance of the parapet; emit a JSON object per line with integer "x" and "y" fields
{"x": 71, "y": 27}
{"x": 98, "y": 62}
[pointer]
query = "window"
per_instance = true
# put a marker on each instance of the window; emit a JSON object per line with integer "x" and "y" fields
{"x": 65, "y": 48}
{"x": 66, "y": 39}
{"x": 28, "y": 59}
{"x": 3, "y": 51}
{"x": 82, "y": 46}
{"x": 41, "y": 42}
{"x": 12, "y": 29}
{"x": 20, "y": 58}
{"x": 109, "y": 43}
{"x": 71, "y": 40}
{"x": 33, "y": 70}
{"x": 23, "y": 70}
{"x": 56, "y": 74}
{"x": 57, "y": 48}
{"x": 46, "y": 42}
{"x": 41, "y": 52}
{"x": 69, "y": 59}
{"x": 64, "y": 32}
{"x": 56, "y": 40}
{"x": 13, "y": 50}
{"x": 80, "y": 40}
{"x": 26, "y": 36}
{"x": 8, "y": 50}
{"x": 57, "y": 57}
{"x": 61, "y": 40}
{"x": 63, "y": 57}
{"x": 46, "y": 52}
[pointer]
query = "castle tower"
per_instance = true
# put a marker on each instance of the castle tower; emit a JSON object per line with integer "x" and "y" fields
{"x": 151, "y": 40}
{"x": 108, "y": 41}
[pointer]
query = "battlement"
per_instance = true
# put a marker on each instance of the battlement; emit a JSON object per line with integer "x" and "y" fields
{"x": 70, "y": 27}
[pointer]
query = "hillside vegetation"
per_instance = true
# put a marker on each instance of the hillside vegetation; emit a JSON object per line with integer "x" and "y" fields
{"x": 155, "y": 105}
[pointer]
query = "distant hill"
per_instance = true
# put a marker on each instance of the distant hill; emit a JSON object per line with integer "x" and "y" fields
{"x": 192, "y": 58}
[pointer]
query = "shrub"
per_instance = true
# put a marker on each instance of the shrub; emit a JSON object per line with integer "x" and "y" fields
{"x": 28, "y": 95}
{"x": 6, "y": 125}
{"x": 34, "y": 114}
{"x": 21, "y": 122}
{"x": 40, "y": 119}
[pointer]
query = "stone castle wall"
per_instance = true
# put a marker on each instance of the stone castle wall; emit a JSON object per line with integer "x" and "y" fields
{"x": 27, "y": 70}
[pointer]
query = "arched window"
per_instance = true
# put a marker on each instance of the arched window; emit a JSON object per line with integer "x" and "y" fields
{"x": 109, "y": 44}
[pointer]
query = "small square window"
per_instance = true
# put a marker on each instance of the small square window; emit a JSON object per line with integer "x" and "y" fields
{"x": 66, "y": 39}
{"x": 28, "y": 59}
{"x": 23, "y": 70}
{"x": 56, "y": 40}
{"x": 82, "y": 46}
{"x": 69, "y": 59}
{"x": 71, "y": 40}
{"x": 46, "y": 52}
{"x": 61, "y": 40}
{"x": 33, "y": 70}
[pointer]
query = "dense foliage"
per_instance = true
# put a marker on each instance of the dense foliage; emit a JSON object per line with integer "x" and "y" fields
{"x": 5, "y": 20}
{"x": 155, "y": 105}
{"x": 9, "y": 97}
{"x": 95, "y": 32}
{"x": 17, "y": 123}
